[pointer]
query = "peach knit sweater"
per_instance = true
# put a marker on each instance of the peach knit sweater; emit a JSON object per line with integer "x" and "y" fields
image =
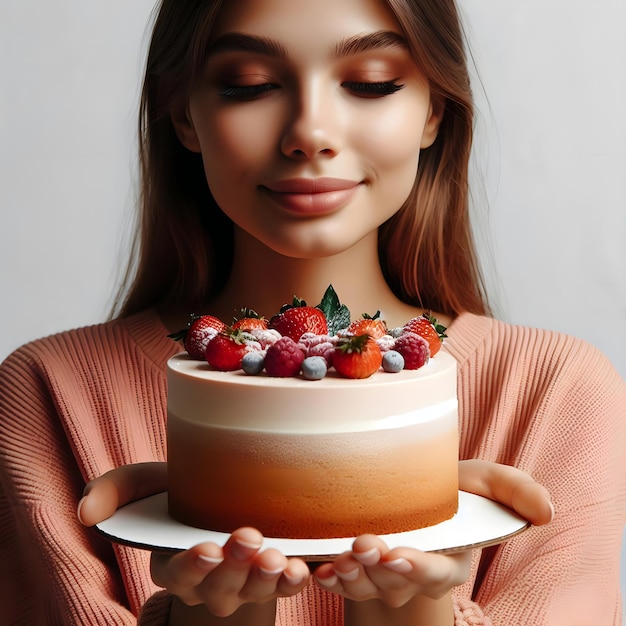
{"x": 77, "y": 404}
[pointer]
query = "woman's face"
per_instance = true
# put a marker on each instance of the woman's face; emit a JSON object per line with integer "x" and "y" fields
{"x": 310, "y": 116}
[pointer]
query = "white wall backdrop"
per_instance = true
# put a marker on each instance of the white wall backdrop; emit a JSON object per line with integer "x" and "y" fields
{"x": 551, "y": 143}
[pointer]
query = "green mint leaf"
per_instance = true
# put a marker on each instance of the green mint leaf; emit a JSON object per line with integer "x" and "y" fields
{"x": 337, "y": 314}
{"x": 341, "y": 319}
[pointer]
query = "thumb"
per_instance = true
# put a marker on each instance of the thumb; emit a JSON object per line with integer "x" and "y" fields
{"x": 105, "y": 494}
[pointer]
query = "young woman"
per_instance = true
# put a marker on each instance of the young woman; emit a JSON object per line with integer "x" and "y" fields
{"x": 286, "y": 146}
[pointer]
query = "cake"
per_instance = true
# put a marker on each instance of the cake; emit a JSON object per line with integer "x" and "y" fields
{"x": 297, "y": 458}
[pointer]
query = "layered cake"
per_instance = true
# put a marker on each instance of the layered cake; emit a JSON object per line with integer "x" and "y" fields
{"x": 310, "y": 425}
{"x": 297, "y": 458}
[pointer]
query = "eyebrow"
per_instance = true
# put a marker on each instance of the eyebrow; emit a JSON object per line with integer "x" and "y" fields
{"x": 379, "y": 40}
{"x": 357, "y": 44}
{"x": 240, "y": 42}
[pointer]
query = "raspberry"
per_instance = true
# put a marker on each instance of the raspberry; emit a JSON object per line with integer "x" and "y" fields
{"x": 385, "y": 343}
{"x": 414, "y": 349}
{"x": 318, "y": 345}
{"x": 265, "y": 336}
{"x": 283, "y": 358}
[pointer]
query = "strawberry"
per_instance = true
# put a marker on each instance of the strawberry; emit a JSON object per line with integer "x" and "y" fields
{"x": 225, "y": 351}
{"x": 428, "y": 327}
{"x": 372, "y": 326}
{"x": 201, "y": 329}
{"x": 357, "y": 357}
{"x": 414, "y": 349}
{"x": 250, "y": 320}
{"x": 283, "y": 358}
{"x": 296, "y": 319}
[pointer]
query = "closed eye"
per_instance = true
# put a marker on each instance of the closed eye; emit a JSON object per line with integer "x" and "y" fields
{"x": 373, "y": 89}
{"x": 245, "y": 92}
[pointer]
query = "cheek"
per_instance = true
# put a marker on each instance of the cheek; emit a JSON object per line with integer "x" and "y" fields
{"x": 392, "y": 143}
{"x": 234, "y": 144}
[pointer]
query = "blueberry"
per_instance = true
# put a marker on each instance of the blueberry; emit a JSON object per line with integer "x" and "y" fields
{"x": 314, "y": 367}
{"x": 393, "y": 362}
{"x": 252, "y": 363}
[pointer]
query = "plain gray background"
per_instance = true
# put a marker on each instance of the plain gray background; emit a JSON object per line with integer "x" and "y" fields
{"x": 550, "y": 152}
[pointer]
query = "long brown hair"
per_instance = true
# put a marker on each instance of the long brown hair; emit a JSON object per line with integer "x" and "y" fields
{"x": 183, "y": 251}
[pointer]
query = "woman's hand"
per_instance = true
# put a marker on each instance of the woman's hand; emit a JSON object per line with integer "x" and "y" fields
{"x": 221, "y": 578}
{"x": 224, "y": 579}
{"x": 372, "y": 571}
{"x": 509, "y": 486}
{"x": 117, "y": 487}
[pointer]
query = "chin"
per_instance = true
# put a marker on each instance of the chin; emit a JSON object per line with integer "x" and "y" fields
{"x": 311, "y": 247}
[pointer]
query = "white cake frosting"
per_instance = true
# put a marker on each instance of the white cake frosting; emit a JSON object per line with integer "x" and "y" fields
{"x": 297, "y": 458}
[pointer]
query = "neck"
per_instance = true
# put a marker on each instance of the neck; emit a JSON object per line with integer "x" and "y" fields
{"x": 265, "y": 280}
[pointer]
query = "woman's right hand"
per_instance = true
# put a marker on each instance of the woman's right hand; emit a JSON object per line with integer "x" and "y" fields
{"x": 220, "y": 578}
{"x": 225, "y": 578}
{"x": 105, "y": 494}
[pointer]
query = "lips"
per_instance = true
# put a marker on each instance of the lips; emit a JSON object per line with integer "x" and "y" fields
{"x": 311, "y": 196}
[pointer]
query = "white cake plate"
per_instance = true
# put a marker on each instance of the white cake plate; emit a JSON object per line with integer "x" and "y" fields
{"x": 478, "y": 523}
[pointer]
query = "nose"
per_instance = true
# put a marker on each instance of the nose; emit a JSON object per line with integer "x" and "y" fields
{"x": 313, "y": 129}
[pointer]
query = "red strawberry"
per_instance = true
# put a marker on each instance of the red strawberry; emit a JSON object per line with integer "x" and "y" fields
{"x": 202, "y": 328}
{"x": 283, "y": 358}
{"x": 428, "y": 327}
{"x": 357, "y": 357}
{"x": 372, "y": 326}
{"x": 296, "y": 319}
{"x": 225, "y": 351}
{"x": 414, "y": 349}
{"x": 250, "y": 320}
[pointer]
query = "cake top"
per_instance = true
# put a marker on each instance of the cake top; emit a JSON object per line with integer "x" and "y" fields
{"x": 312, "y": 342}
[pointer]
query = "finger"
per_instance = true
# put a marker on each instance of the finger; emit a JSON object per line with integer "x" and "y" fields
{"x": 399, "y": 572}
{"x": 183, "y": 572}
{"x": 294, "y": 578}
{"x": 240, "y": 553}
{"x": 347, "y": 577}
{"x": 105, "y": 494}
{"x": 431, "y": 571}
{"x": 509, "y": 486}
{"x": 262, "y": 582}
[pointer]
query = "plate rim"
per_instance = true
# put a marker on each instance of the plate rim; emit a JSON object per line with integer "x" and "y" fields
{"x": 519, "y": 525}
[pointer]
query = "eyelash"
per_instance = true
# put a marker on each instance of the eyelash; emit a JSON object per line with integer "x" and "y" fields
{"x": 363, "y": 89}
{"x": 373, "y": 90}
{"x": 246, "y": 92}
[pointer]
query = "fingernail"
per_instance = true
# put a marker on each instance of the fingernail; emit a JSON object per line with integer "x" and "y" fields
{"x": 270, "y": 573}
{"x": 350, "y": 576}
{"x": 370, "y": 557}
{"x": 552, "y": 511}
{"x": 293, "y": 579}
{"x": 207, "y": 563}
{"x": 331, "y": 581}
{"x": 401, "y": 566}
{"x": 243, "y": 550}
{"x": 78, "y": 510}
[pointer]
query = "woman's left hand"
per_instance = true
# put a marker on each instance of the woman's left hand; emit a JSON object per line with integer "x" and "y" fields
{"x": 372, "y": 571}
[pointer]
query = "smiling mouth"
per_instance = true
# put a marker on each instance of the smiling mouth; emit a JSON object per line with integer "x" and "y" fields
{"x": 311, "y": 196}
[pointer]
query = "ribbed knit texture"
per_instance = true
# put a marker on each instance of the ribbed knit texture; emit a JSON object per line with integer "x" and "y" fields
{"x": 77, "y": 404}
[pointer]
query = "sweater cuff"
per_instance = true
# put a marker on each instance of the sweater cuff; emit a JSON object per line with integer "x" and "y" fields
{"x": 156, "y": 611}
{"x": 468, "y": 613}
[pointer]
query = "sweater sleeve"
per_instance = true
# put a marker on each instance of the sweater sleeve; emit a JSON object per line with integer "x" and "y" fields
{"x": 52, "y": 569}
{"x": 559, "y": 413}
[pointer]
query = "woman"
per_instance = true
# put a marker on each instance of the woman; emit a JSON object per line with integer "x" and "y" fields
{"x": 320, "y": 150}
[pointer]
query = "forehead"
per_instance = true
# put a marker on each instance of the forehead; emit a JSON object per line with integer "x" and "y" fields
{"x": 305, "y": 24}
